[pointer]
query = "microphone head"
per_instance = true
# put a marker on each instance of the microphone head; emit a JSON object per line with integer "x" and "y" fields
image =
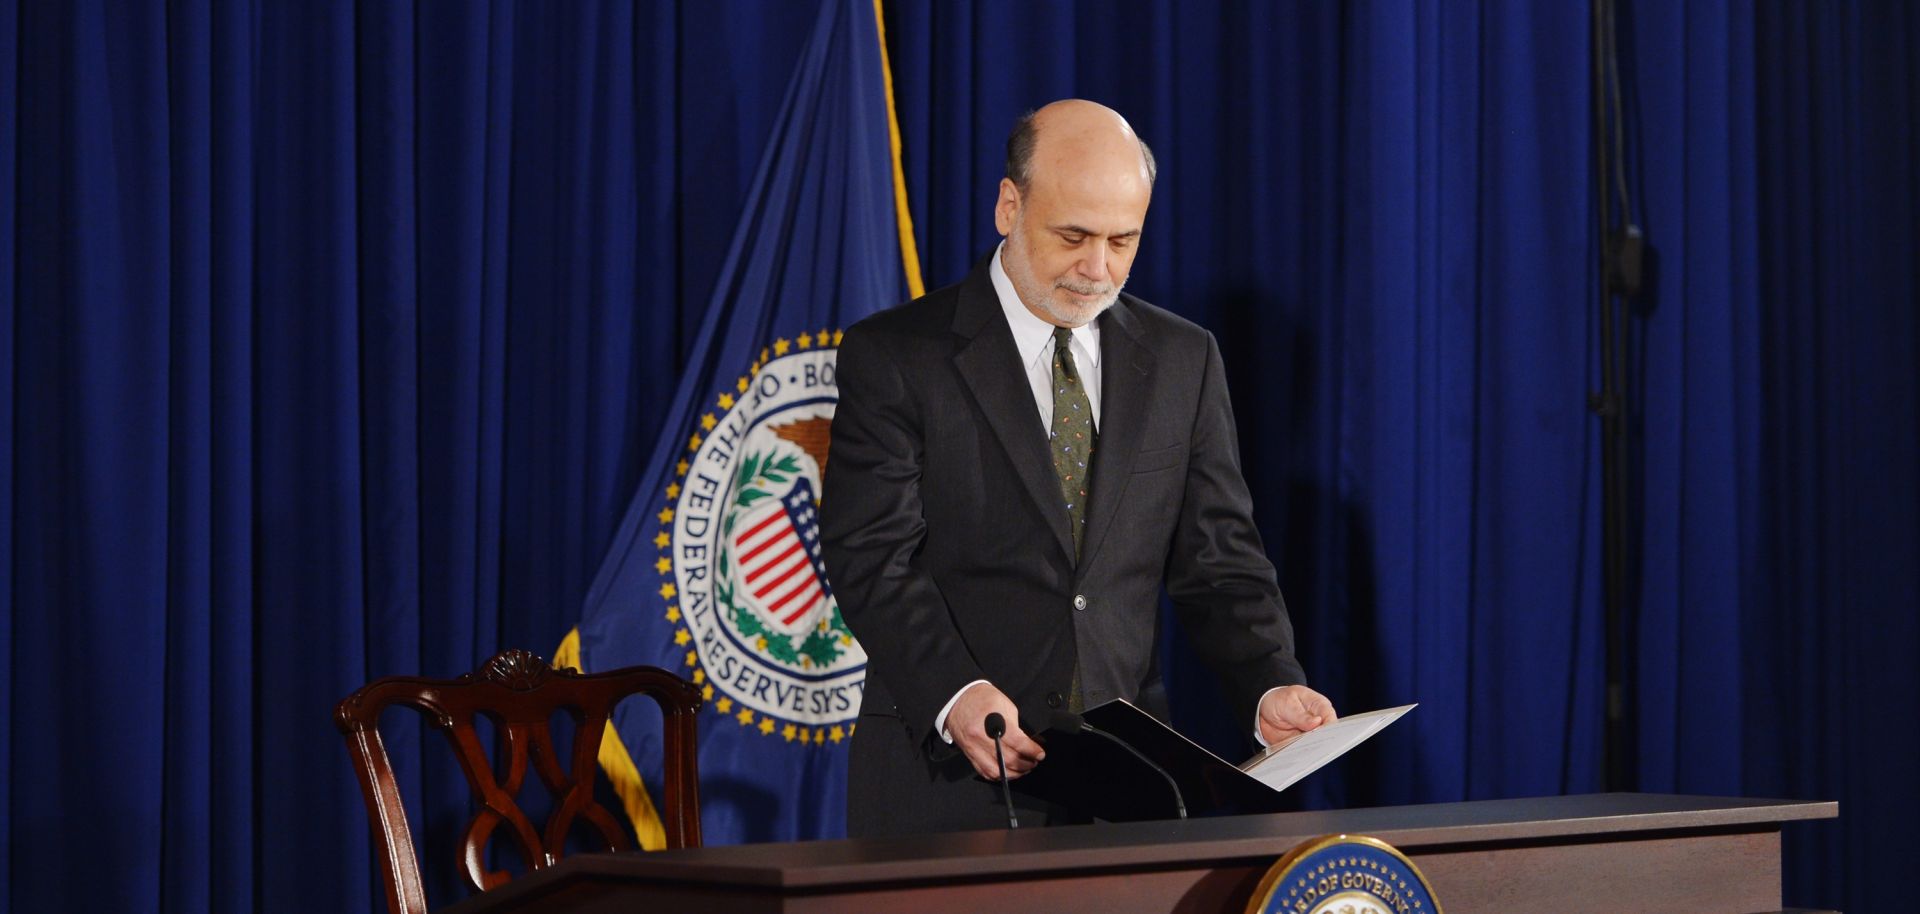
{"x": 996, "y": 725}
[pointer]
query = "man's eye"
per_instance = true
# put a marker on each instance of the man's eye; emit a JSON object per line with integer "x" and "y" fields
{"x": 1121, "y": 244}
{"x": 1073, "y": 239}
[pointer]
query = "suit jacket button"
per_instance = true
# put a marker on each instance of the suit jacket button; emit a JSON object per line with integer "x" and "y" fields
{"x": 1053, "y": 699}
{"x": 1079, "y": 601}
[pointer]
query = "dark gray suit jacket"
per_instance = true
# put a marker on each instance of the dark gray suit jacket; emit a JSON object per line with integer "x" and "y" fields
{"x": 947, "y": 541}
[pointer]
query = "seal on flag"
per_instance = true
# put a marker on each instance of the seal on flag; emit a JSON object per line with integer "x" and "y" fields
{"x": 739, "y": 548}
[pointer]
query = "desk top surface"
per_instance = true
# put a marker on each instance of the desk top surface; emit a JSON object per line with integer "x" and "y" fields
{"x": 813, "y": 865}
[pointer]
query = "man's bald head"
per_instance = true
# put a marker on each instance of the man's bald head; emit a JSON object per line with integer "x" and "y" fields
{"x": 1069, "y": 119}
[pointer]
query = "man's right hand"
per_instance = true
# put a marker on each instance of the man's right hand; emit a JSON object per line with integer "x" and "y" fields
{"x": 968, "y": 724}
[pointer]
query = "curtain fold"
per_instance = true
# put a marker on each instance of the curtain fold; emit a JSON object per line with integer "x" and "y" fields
{"x": 9, "y": 314}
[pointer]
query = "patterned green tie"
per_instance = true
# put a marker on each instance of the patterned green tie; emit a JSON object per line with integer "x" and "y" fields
{"x": 1072, "y": 436}
{"x": 1071, "y": 440}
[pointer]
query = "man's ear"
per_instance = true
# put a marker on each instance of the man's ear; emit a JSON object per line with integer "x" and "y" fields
{"x": 1007, "y": 208}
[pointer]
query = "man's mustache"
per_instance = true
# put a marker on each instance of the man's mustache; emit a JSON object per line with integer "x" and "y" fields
{"x": 1084, "y": 288}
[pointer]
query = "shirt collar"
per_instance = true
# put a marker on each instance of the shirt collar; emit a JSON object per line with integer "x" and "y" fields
{"x": 1031, "y": 334}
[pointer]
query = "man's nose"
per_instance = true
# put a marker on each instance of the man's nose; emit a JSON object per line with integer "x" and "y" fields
{"x": 1093, "y": 264}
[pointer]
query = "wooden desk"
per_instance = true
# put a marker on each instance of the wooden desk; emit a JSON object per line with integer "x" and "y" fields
{"x": 1599, "y": 853}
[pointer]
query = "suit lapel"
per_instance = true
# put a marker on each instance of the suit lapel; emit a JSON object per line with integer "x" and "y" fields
{"x": 1126, "y": 378}
{"x": 991, "y": 366}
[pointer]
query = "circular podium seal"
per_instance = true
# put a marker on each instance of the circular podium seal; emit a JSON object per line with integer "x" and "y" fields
{"x": 1343, "y": 874}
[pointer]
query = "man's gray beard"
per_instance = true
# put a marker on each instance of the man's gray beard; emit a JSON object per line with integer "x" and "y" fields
{"x": 1020, "y": 270}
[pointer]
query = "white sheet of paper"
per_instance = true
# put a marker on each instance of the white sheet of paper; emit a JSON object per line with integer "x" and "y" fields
{"x": 1279, "y": 766}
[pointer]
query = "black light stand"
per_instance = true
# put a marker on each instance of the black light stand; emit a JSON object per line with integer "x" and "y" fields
{"x": 1622, "y": 268}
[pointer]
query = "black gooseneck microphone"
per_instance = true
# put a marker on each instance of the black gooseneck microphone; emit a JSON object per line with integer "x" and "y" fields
{"x": 1179, "y": 802}
{"x": 996, "y": 728}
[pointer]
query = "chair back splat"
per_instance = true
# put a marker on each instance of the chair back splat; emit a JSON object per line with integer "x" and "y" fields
{"x": 520, "y": 693}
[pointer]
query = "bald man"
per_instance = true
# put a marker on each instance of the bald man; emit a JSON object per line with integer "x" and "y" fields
{"x": 1020, "y": 464}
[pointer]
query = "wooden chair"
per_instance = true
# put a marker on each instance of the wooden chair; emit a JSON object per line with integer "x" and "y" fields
{"x": 519, "y": 692}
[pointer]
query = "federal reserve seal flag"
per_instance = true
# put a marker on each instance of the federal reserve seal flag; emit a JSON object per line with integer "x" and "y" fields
{"x": 715, "y": 572}
{"x": 740, "y": 551}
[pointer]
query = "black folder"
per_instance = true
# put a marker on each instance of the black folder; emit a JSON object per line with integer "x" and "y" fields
{"x": 1088, "y": 771}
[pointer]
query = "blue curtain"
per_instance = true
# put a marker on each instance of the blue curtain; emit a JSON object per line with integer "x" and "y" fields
{"x": 1831, "y": 579}
{"x": 332, "y": 334}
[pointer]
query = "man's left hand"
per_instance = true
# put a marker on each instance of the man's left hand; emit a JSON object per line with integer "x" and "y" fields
{"x": 1290, "y": 711}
